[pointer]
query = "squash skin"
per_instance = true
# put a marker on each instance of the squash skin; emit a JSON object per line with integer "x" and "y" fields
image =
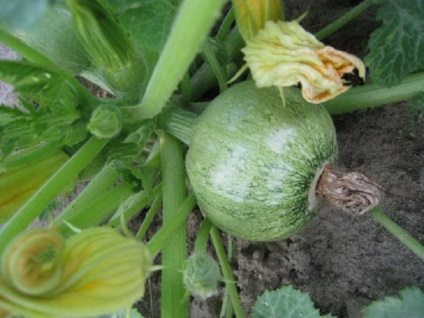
{"x": 252, "y": 160}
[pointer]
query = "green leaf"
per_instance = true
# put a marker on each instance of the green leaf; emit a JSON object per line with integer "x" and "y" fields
{"x": 285, "y": 302}
{"x": 24, "y": 76}
{"x": 410, "y": 304}
{"x": 55, "y": 38}
{"x": 148, "y": 22}
{"x": 397, "y": 46}
{"x": 21, "y": 14}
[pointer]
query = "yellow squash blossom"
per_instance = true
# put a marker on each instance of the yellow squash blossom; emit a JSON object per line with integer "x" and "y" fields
{"x": 96, "y": 271}
{"x": 19, "y": 183}
{"x": 251, "y": 15}
{"x": 284, "y": 54}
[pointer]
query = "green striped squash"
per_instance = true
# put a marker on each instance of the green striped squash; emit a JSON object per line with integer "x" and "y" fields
{"x": 253, "y": 162}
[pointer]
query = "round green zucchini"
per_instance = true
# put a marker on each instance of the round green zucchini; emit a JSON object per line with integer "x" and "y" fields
{"x": 254, "y": 161}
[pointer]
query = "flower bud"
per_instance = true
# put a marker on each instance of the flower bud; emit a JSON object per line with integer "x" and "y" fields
{"x": 94, "y": 272}
{"x": 284, "y": 54}
{"x": 201, "y": 275}
{"x": 251, "y": 15}
{"x": 105, "y": 122}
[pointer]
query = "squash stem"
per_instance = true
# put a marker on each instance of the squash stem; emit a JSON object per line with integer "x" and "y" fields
{"x": 154, "y": 208}
{"x": 403, "y": 236}
{"x": 230, "y": 282}
{"x": 201, "y": 242}
{"x": 373, "y": 95}
{"x": 174, "y": 253}
{"x": 345, "y": 19}
{"x": 190, "y": 29}
{"x": 159, "y": 240}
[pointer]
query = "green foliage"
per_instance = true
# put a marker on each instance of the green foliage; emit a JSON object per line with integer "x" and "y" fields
{"x": 21, "y": 14}
{"x": 396, "y": 48}
{"x": 54, "y": 37}
{"x": 48, "y": 111}
{"x": 148, "y": 22}
{"x": 410, "y": 304}
{"x": 285, "y": 302}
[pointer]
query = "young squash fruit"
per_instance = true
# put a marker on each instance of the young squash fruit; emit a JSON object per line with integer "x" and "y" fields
{"x": 254, "y": 162}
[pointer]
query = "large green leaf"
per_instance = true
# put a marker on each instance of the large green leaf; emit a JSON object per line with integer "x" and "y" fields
{"x": 410, "y": 305}
{"x": 148, "y": 22}
{"x": 397, "y": 46}
{"x": 285, "y": 302}
{"x": 21, "y": 14}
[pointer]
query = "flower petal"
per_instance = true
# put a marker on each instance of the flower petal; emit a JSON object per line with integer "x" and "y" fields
{"x": 284, "y": 54}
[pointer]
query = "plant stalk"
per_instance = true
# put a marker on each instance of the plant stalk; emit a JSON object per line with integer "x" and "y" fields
{"x": 159, "y": 240}
{"x": 58, "y": 183}
{"x": 345, "y": 19}
{"x": 373, "y": 95}
{"x": 190, "y": 29}
{"x": 174, "y": 253}
{"x": 227, "y": 272}
{"x": 219, "y": 71}
{"x": 394, "y": 229}
{"x": 202, "y": 238}
{"x": 154, "y": 208}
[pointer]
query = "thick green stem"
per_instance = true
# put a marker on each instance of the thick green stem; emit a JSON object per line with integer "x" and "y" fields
{"x": 192, "y": 25}
{"x": 373, "y": 95}
{"x": 179, "y": 123}
{"x": 174, "y": 254}
{"x": 345, "y": 19}
{"x": 58, "y": 183}
{"x": 227, "y": 272}
{"x": 398, "y": 232}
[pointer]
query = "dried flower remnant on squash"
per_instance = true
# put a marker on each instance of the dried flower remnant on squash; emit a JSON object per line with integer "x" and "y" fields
{"x": 284, "y": 54}
{"x": 95, "y": 272}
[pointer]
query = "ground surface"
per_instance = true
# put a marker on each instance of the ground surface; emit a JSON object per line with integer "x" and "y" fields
{"x": 344, "y": 262}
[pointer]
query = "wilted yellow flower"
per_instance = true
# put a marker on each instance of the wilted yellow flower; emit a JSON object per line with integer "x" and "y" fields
{"x": 251, "y": 15}
{"x": 284, "y": 54}
{"x": 95, "y": 272}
